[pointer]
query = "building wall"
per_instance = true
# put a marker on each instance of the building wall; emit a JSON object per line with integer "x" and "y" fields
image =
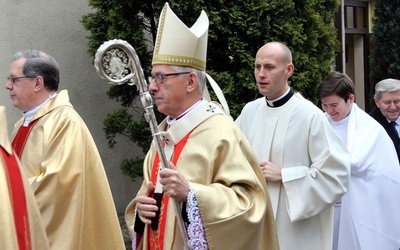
{"x": 54, "y": 27}
{"x": 356, "y": 55}
{"x": 354, "y": 66}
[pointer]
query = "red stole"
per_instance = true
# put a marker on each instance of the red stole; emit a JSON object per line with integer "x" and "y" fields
{"x": 20, "y": 138}
{"x": 156, "y": 238}
{"x": 17, "y": 195}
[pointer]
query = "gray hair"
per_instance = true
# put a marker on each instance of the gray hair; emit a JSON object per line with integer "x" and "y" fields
{"x": 386, "y": 85}
{"x": 41, "y": 64}
{"x": 201, "y": 75}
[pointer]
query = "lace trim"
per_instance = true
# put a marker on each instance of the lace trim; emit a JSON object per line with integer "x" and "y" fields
{"x": 195, "y": 230}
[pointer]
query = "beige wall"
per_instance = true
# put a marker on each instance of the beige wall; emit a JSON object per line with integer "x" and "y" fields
{"x": 354, "y": 66}
{"x": 54, "y": 27}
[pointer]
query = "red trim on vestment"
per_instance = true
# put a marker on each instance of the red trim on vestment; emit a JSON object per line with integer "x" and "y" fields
{"x": 18, "y": 200}
{"x": 156, "y": 238}
{"x": 20, "y": 138}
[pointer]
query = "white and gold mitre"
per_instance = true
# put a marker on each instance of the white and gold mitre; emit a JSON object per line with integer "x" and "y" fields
{"x": 178, "y": 45}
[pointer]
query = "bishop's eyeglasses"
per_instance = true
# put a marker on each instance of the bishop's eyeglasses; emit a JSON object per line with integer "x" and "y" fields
{"x": 159, "y": 78}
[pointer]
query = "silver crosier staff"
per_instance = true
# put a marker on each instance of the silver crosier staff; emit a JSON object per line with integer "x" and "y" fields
{"x": 117, "y": 63}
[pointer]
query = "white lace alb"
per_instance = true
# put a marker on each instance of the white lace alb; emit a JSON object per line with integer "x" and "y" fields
{"x": 195, "y": 230}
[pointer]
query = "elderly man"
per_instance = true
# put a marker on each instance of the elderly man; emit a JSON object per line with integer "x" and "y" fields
{"x": 60, "y": 159}
{"x": 387, "y": 110}
{"x": 213, "y": 172}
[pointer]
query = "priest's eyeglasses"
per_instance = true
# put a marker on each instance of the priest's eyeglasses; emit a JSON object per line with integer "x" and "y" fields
{"x": 13, "y": 79}
{"x": 159, "y": 78}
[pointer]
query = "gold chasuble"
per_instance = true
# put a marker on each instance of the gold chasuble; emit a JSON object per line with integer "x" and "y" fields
{"x": 220, "y": 166}
{"x": 66, "y": 174}
{"x": 20, "y": 220}
{"x": 18, "y": 201}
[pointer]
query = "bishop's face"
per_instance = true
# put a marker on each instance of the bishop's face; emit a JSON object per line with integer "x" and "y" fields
{"x": 171, "y": 93}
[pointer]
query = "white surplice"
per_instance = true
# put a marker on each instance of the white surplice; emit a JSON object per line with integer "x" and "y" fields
{"x": 370, "y": 210}
{"x": 315, "y": 168}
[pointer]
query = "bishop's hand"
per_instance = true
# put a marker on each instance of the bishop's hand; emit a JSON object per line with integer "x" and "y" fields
{"x": 174, "y": 184}
{"x": 146, "y": 205}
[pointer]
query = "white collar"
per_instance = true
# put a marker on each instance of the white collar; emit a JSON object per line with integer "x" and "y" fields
{"x": 171, "y": 122}
{"x": 31, "y": 113}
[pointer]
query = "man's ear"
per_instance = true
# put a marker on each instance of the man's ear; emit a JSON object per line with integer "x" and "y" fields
{"x": 192, "y": 82}
{"x": 289, "y": 69}
{"x": 39, "y": 83}
{"x": 376, "y": 101}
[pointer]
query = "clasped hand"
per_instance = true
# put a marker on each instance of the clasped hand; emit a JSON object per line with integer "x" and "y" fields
{"x": 174, "y": 185}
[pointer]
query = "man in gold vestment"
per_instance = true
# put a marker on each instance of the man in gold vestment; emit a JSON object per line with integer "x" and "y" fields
{"x": 17, "y": 202}
{"x": 60, "y": 159}
{"x": 214, "y": 175}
